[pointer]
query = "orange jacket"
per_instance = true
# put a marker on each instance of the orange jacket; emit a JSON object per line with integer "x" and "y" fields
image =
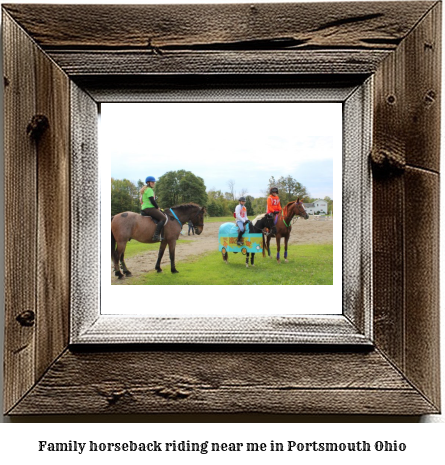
{"x": 273, "y": 204}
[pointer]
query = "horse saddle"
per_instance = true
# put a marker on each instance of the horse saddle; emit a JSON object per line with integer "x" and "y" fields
{"x": 275, "y": 217}
{"x": 156, "y": 221}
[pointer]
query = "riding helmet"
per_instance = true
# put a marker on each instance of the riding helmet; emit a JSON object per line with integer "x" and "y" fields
{"x": 150, "y": 179}
{"x": 242, "y": 199}
{"x": 273, "y": 189}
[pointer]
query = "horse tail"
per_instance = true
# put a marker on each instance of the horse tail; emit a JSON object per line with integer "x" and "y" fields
{"x": 113, "y": 243}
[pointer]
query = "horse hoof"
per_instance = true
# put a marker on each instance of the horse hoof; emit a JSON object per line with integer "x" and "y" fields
{"x": 175, "y": 271}
{"x": 128, "y": 274}
{"x": 285, "y": 260}
{"x": 159, "y": 271}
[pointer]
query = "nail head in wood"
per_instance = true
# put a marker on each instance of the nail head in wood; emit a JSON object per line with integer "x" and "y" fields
{"x": 430, "y": 97}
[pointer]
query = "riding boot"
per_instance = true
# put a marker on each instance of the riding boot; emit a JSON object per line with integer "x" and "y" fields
{"x": 238, "y": 241}
{"x": 157, "y": 235}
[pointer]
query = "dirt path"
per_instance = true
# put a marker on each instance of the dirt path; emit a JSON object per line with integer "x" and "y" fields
{"x": 309, "y": 231}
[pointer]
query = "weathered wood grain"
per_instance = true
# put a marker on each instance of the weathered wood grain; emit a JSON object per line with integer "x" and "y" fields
{"x": 389, "y": 145}
{"x": 341, "y": 25}
{"x": 53, "y": 207}
{"x": 223, "y": 382}
{"x": 422, "y": 324}
{"x": 423, "y": 92}
{"x": 37, "y": 213}
{"x": 406, "y": 132}
{"x": 129, "y": 63}
{"x": 20, "y": 213}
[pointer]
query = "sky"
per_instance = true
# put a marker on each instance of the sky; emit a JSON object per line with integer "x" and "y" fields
{"x": 243, "y": 142}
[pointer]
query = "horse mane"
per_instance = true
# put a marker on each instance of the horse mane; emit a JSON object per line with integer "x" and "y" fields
{"x": 288, "y": 204}
{"x": 185, "y": 206}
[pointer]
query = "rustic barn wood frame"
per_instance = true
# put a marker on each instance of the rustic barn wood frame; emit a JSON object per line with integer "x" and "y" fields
{"x": 78, "y": 56}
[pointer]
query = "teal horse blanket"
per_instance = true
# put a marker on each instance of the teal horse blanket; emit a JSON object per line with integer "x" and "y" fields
{"x": 227, "y": 237}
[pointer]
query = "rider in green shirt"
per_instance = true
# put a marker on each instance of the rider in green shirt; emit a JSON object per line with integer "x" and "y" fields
{"x": 150, "y": 207}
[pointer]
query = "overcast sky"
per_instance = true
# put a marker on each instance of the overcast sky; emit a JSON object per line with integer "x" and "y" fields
{"x": 244, "y": 142}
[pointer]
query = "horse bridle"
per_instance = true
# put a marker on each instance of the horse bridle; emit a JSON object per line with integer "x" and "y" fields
{"x": 194, "y": 225}
{"x": 283, "y": 215}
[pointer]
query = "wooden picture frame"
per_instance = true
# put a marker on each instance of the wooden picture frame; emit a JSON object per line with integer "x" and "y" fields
{"x": 76, "y": 56}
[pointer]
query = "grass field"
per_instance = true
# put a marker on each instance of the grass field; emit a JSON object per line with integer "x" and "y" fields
{"x": 218, "y": 219}
{"x": 308, "y": 264}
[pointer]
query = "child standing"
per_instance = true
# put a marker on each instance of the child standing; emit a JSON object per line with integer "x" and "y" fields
{"x": 241, "y": 218}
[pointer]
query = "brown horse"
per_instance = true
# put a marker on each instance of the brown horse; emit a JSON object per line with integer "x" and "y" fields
{"x": 130, "y": 225}
{"x": 284, "y": 227}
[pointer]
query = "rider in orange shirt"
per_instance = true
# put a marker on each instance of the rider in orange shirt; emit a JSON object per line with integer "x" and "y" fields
{"x": 273, "y": 201}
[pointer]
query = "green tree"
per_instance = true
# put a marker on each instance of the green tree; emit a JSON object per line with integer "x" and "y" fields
{"x": 214, "y": 209}
{"x": 330, "y": 205}
{"x": 249, "y": 206}
{"x": 259, "y": 205}
{"x": 218, "y": 203}
{"x": 124, "y": 196}
{"x": 176, "y": 187}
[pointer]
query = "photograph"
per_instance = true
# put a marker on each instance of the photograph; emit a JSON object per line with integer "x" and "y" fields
{"x": 237, "y": 173}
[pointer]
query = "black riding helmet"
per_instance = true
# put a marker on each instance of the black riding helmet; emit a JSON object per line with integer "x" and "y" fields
{"x": 273, "y": 190}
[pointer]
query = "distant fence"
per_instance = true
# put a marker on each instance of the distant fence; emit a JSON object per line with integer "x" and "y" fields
{"x": 323, "y": 217}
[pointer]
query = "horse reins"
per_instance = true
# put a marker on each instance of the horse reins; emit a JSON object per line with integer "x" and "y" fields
{"x": 284, "y": 215}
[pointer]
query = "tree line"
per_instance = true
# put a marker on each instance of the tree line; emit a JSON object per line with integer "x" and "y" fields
{"x": 176, "y": 187}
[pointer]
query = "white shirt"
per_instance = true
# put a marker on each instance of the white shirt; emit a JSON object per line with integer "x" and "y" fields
{"x": 241, "y": 213}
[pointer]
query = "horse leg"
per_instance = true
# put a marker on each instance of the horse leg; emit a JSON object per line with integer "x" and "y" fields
{"x": 286, "y": 240}
{"x": 160, "y": 255}
{"x": 278, "y": 248}
{"x": 252, "y": 260}
{"x": 118, "y": 257}
{"x": 126, "y": 271}
{"x": 247, "y": 260}
{"x": 171, "y": 250}
{"x": 268, "y": 246}
{"x": 117, "y": 271}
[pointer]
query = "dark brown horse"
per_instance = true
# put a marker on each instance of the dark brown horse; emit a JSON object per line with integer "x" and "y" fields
{"x": 284, "y": 227}
{"x": 130, "y": 225}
